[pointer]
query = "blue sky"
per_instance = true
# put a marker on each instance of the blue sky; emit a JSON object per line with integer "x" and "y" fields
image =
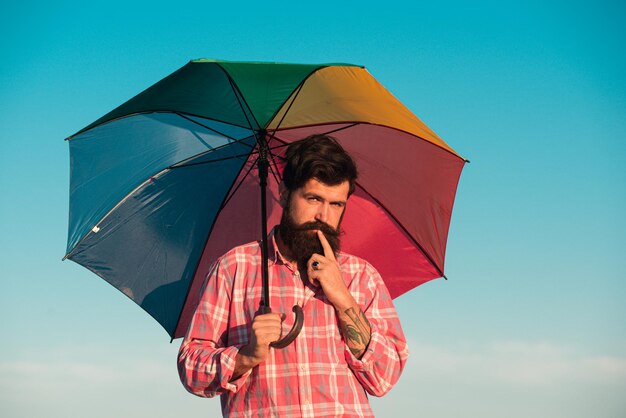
{"x": 532, "y": 320}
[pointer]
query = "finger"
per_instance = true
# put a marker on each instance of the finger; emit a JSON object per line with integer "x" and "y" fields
{"x": 328, "y": 251}
{"x": 269, "y": 318}
{"x": 313, "y": 276}
{"x": 269, "y": 335}
{"x": 266, "y": 327}
{"x": 315, "y": 258}
{"x": 276, "y": 317}
{"x": 271, "y": 330}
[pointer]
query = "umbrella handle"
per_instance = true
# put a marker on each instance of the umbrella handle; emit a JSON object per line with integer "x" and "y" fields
{"x": 295, "y": 330}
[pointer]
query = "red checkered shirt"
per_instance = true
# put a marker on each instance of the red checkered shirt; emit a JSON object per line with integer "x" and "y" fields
{"x": 315, "y": 376}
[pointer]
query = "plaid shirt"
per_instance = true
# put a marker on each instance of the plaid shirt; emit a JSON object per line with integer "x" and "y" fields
{"x": 316, "y": 375}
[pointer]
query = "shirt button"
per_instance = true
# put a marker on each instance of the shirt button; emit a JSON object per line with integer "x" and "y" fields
{"x": 303, "y": 367}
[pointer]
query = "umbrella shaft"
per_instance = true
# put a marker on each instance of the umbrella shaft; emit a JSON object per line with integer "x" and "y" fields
{"x": 263, "y": 172}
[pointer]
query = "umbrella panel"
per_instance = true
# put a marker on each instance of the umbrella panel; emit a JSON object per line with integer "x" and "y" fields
{"x": 110, "y": 161}
{"x": 413, "y": 180}
{"x": 200, "y": 89}
{"x": 149, "y": 246}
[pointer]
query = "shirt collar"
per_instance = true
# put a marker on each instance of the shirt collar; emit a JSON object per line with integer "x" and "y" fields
{"x": 274, "y": 253}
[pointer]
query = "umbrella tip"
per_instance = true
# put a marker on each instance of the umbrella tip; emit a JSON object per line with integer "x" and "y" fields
{"x": 444, "y": 276}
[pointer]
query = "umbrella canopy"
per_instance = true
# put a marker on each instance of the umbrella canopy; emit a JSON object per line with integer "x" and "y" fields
{"x": 166, "y": 183}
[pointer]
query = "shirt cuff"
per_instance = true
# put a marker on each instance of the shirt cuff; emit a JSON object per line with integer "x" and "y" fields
{"x": 228, "y": 359}
{"x": 375, "y": 349}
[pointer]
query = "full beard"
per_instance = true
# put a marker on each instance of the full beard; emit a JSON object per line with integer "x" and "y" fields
{"x": 302, "y": 240}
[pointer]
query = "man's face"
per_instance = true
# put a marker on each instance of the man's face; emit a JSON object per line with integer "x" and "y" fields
{"x": 313, "y": 206}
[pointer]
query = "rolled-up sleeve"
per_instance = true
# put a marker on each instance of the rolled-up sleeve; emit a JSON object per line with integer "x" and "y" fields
{"x": 381, "y": 365}
{"x": 205, "y": 362}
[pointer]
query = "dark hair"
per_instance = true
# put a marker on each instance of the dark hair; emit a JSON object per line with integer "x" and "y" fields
{"x": 320, "y": 157}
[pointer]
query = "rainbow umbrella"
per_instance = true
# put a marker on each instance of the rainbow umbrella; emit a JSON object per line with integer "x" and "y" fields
{"x": 167, "y": 182}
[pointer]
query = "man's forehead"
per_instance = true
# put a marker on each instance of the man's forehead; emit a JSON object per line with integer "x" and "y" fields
{"x": 332, "y": 192}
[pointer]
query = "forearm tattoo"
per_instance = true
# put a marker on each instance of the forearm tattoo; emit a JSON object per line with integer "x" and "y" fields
{"x": 356, "y": 330}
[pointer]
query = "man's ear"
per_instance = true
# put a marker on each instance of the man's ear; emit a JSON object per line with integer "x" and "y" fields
{"x": 283, "y": 193}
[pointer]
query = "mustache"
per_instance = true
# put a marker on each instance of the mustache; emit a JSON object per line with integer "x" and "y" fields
{"x": 328, "y": 230}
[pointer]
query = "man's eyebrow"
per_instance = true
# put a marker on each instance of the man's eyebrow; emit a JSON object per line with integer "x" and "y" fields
{"x": 312, "y": 194}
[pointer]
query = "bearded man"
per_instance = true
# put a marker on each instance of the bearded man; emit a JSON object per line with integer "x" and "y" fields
{"x": 351, "y": 343}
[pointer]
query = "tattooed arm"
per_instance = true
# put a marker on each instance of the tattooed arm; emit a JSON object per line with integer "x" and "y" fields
{"x": 376, "y": 348}
{"x": 356, "y": 329}
{"x": 354, "y": 326}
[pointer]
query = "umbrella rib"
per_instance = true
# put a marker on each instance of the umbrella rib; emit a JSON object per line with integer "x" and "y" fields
{"x": 273, "y": 167}
{"x": 206, "y": 127}
{"x": 149, "y": 179}
{"x": 274, "y": 171}
{"x": 239, "y": 142}
{"x": 321, "y": 67}
{"x": 355, "y": 123}
{"x": 231, "y": 194}
{"x": 273, "y": 134}
{"x": 243, "y": 109}
{"x": 286, "y": 144}
{"x": 146, "y": 112}
{"x": 388, "y": 212}
{"x": 299, "y": 88}
{"x": 234, "y": 157}
{"x": 342, "y": 128}
{"x": 332, "y": 131}
{"x": 226, "y": 200}
{"x": 238, "y": 95}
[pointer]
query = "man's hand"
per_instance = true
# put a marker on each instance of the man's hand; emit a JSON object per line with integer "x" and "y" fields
{"x": 355, "y": 327}
{"x": 265, "y": 329}
{"x": 324, "y": 269}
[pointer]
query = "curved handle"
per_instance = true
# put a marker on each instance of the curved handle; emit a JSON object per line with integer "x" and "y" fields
{"x": 295, "y": 330}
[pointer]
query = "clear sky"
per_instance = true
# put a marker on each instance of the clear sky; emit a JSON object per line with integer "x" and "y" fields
{"x": 532, "y": 321}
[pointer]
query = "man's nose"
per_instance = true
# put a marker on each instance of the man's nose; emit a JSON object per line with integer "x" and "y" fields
{"x": 322, "y": 213}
